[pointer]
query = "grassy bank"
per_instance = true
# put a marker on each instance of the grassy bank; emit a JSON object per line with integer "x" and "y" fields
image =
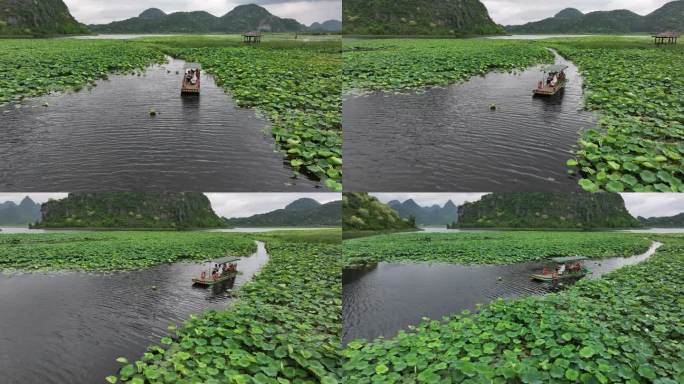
{"x": 492, "y": 247}
{"x": 284, "y": 328}
{"x": 626, "y": 327}
{"x": 109, "y": 251}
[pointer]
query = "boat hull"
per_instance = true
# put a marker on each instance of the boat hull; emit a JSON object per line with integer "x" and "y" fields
{"x": 549, "y": 277}
{"x": 549, "y": 91}
{"x": 210, "y": 282}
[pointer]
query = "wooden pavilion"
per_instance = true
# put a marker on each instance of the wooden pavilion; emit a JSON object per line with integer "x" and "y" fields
{"x": 251, "y": 37}
{"x": 665, "y": 38}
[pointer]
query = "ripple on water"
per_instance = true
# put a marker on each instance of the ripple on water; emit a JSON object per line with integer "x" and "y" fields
{"x": 70, "y": 327}
{"x": 383, "y": 300}
{"x": 105, "y": 139}
{"x": 448, "y": 138}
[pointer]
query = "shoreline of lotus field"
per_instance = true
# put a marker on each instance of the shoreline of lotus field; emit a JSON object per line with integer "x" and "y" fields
{"x": 114, "y": 251}
{"x": 491, "y": 247}
{"x": 296, "y": 84}
{"x": 284, "y": 327}
{"x": 637, "y": 89}
{"x": 626, "y": 327}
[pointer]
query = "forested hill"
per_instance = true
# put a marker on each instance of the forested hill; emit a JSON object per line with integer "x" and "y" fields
{"x": 669, "y": 221}
{"x": 300, "y": 213}
{"x": 34, "y": 17}
{"x": 669, "y": 17}
{"x": 417, "y": 17}
{"x": 130, "y": 210}
{"x": 243, "y": 18}
{"x": 547, "y": 210}
{"x": 433, "y": 215}
{"x": 27, "y": 211}
{"x": 360, "y": 211}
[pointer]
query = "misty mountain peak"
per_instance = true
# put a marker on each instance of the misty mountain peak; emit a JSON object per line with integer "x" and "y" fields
{"x": 302, "y": 204}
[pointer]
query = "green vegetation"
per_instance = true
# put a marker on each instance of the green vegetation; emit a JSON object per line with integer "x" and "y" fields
{"x": 570, "y": 20}
{"x": 362, "y": 212}
{"x": 491, "y": 247}
{"x": 669, "y": 221}
{"x": 36, "y": 18}
{"x": 130, "y": 210}
{"x": 284, "y": 328}
{"x": 110, "y": 251}
{"x": 637, "y": 89}
{"x": 398, "y": 64}
{"x": 626, "y": 327}
{"x": 248, "y": 17}
{"x": 546, "y": 210}
{"x": 417, "y": 17}
{"x": 295, "y": 83}
{"x": 37, "y": 67}
{"x": 300, "y": 213}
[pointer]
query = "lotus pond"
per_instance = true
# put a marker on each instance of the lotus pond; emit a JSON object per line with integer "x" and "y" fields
{"x": 638, "y": 89}
{"x": 296, "y": 84}
{"x": 491, "y": 247}
{"x": 284, "y": 328}
{"x": 625, "y": 327}
{"x": 109, "y": 251}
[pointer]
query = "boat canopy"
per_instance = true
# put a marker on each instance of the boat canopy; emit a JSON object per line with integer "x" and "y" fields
{"x": 225, "y": 260}
{"x": 192, "y": 66}
{"x": 554, "y": 68}
{"x": 568, "y": 259}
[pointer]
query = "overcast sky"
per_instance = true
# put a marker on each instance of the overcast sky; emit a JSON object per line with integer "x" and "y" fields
{"x": 225, "y": 204}
{"x": 513, "y": 12}
{"x": 101, "y": 12}
{"x": 638, "y": 204}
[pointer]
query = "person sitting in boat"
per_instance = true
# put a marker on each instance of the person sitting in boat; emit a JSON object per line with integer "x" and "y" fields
{"x": 561, "y": 269}
{"x": 188, "y": 76}
{"x": 554, "y": 81}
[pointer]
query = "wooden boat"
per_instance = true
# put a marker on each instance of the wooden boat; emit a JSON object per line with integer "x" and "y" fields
{"x": 553, "y": 74}
{"x": 192, "y": 86}
{"x": 206, "y": 280}
{"x": 563, "y": 268}
{"x": 209, "y": 282}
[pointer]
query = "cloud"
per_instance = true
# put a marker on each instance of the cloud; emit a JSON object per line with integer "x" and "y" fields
{"x": 247, "y": 204}
{"x": 654, "y": 204}
{"x": 513, "y": 12}
{"x": 101, "y": 12}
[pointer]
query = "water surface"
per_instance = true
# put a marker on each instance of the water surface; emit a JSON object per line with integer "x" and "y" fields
{"x": 105, "y": 139}
{"x": 70, "y": 327}
{"x": 382, "y": 300}
{"x": 448, "y": 138}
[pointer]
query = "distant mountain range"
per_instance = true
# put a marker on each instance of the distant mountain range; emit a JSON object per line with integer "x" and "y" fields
{"x": 577, "y": 210}
{"x": 130, "y": 210}
{"x": 300, "y": 213}
{"x": 243, "y": 18}
{"x": 434, "y": 215}
{"x": 417, "y": 17}
{"x": 27, "y": 211}
{"x": 669, "y": 221}
{"x": 363, "y": 212}
{"x": 669, "y": 17}
{"x": 37, "y": 17}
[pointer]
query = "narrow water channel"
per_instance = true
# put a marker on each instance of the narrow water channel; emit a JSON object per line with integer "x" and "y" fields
{"x": 383, "y": 300}
{"x": 105, "y": 139}
{"x": 70, "y": 327}
{"x": 448, "y": 138}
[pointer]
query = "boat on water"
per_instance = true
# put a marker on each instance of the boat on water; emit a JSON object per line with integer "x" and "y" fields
{"x": 224, "y": 269}
{"x": 562, "y": 268}
{"x": 190, "y": 84}
{"x": 553, "y": 80}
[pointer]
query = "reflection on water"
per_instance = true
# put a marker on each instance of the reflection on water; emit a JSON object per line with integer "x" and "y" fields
{"x": 443, "y": 139}
{"x": 382, "y": 300}
{"x": 105, "y": 139}
{"x": 70, "y": 327}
